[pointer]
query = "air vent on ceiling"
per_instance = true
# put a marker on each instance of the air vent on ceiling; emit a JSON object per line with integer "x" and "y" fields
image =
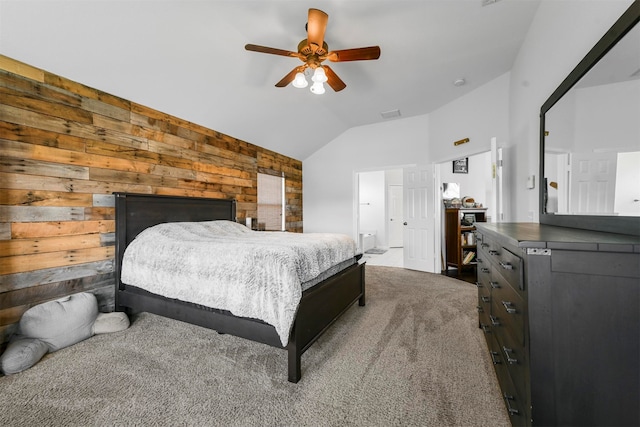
{"x": 390, "y": 114}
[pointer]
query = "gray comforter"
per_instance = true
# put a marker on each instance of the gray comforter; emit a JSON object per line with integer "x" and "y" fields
{"x": 225, "y": 265}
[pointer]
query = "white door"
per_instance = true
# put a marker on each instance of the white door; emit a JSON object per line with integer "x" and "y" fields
{"x": 495, "y": 198}
{"x": 395, "y": 207}
{"x": 593, "y": 178}
{"x": 419, "y": 206}
{"x": 628, "y": 196}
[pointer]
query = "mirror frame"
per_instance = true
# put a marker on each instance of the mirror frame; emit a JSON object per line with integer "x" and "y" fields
{"x": 608, "y": 223}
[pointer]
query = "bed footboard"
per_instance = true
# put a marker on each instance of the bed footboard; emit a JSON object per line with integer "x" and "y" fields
{"x": 319, "y": 308}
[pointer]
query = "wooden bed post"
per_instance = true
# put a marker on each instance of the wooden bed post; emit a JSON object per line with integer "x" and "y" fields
{"x": 294, "y": 361}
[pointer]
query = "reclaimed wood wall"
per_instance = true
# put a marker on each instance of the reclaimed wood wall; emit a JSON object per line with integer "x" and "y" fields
{"x": 65, "y": 148}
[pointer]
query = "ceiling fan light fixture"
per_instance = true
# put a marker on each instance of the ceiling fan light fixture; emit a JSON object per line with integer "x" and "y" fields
{"x": 319, "y": 76}
{"x": 317, "y": 88}
{"x": 312, "y": 51}
{"x": 300, "y": 81}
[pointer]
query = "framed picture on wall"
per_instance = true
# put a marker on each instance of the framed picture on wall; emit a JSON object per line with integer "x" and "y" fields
{"x": 461, "y": 165}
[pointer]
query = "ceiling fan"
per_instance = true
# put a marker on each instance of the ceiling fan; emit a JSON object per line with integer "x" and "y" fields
{"x": 312, "y": 51}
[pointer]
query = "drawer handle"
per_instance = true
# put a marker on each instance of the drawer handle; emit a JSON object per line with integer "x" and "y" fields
{"x": 479, "y": 285}
{"x": 485, "y": 299}
{"x": 495, "y": 285}
{"x": 493, "y": 252}
{"x": 485, "y": 270}
{"x": 495, "y": 357}
{"x": 479, "y": 260}
{"x": 486, "y": 328}
{"x": 494, "y": 320}
{"x": 508, "y": 305}
{"x": 507, "y": 353}
{"x": 506, "y": 265}
{"x": 510, "y": 409}
{"x": 480, "y": 309}
{"x": 484, "y": 245}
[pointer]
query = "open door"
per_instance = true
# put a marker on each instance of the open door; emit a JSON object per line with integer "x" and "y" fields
{"x": 419, "y": 223}
{"x": 395, "y": 208}
{"x": 495, "y": 198}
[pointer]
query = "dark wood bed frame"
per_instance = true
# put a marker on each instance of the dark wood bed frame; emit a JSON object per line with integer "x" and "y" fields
{"x": 320, "y": 306}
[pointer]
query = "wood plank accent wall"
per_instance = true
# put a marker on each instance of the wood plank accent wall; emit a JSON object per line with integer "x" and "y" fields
{"x": 65, "y": 148}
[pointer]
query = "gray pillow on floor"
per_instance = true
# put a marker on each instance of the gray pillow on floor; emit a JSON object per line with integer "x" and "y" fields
{"x": 22, "y": 354}
{"x": 62, "y": 322}
{"x": 48, "y": 327}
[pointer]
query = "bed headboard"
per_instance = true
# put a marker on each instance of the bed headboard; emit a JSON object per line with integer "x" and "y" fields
{"x": 135, "y": 212}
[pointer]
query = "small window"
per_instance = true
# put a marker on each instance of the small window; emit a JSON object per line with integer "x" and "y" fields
{"x": 270, "y": 202}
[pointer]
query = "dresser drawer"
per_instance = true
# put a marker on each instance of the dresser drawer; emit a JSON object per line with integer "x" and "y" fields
{"x": 514, "y": 401}
{"x": 508, "y": 311}
{"x": 484, "y": 268}
{"x": 483, "y": 243}
{"x": 484, "y": 311}
{"x": 516, "y": 360}
{"x": 509, "y": 265}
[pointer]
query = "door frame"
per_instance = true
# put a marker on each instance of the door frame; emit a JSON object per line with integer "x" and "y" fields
{"x": 439, "y": 217}
{"x": 356, "y": 198}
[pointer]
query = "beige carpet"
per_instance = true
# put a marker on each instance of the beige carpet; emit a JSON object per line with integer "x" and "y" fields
{"x": 412, "y": 356}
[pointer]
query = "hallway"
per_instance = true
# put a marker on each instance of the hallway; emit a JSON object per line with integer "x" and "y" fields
{"x": 394, "y": 258}
{"x": 391, "y": 258}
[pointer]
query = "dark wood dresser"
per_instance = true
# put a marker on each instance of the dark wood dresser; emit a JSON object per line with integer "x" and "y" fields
{"x": 560, "y": 309}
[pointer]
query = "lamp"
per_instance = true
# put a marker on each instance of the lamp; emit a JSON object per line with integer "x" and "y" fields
{"x": 319, "y": 75}
{"x": 299, "y": 81}
{"x": 317, "y": 88}
{"x": 318, "y": 78}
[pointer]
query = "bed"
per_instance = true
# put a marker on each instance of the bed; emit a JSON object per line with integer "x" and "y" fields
{"x": 319, "y": 305}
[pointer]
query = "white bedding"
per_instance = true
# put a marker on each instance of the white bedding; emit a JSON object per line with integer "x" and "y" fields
{"x": 225, "y": 265}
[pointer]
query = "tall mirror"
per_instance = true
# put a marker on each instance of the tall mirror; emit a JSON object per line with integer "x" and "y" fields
{"x": 590, "y": 137}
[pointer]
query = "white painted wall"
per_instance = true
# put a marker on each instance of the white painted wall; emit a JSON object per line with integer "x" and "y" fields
{"x": 508, "y": 108}
{"x": 329, "y": 174}
{"x": 561, "y": 34}
{"x": 476, "y": 183}
{"x": 480, "y": 115}
{"x": 372, "y": 205}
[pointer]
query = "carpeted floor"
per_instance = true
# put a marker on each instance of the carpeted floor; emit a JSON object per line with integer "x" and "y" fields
{"x": 412, "y": 356}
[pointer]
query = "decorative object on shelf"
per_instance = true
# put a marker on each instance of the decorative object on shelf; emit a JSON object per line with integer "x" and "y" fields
{"x": 468, "y": 219}
{"x": 454, "y": 203}
{"x": 468, "y": 202}
{"x": 461, "y": 165}
{"x": 462, "y": 141}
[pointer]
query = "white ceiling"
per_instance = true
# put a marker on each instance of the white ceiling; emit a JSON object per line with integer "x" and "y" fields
{"x": 187, "y": 58}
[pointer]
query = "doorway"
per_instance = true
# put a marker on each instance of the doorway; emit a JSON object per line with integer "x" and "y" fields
{"x": 480, "y": 182}
{"x": 379, "y": 216}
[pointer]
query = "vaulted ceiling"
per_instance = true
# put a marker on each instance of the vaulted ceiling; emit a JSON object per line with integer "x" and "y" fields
{"x": 187, "y": 58}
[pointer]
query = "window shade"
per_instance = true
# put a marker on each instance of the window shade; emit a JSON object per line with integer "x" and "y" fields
{"x": 270, "y": 202}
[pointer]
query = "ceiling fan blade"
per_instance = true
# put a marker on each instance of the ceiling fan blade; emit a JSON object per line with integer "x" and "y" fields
{"x": 357, "y": 54}
{"x": 271, "y": 50}
{"x": 288, "y": 78}
{"x": 316, "y": 26}
{"x": 333, "y": 80}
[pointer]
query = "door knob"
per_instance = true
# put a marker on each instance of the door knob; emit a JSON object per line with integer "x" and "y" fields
{"x": 404, "y": 223}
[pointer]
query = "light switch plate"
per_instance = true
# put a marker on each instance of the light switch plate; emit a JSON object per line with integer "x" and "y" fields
{"x": 531, "y": 182}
